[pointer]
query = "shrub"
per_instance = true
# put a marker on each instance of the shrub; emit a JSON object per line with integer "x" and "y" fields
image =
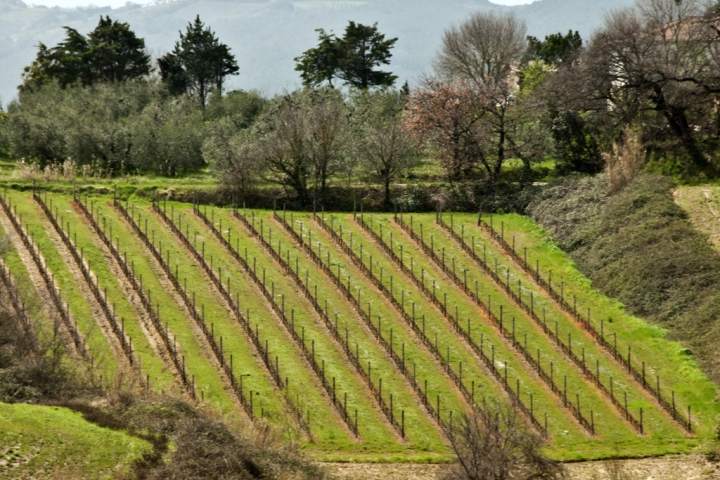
{"x": 638, "y": 246}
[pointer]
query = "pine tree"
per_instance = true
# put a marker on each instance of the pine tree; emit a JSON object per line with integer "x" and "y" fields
{"x": 116, "y": 53}
{"x": 111, "y": 52}
{"x": 354, "y": 58}
{"x": 198, "y": 63}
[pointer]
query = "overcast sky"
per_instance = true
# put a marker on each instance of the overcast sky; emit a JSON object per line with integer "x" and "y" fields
{"x": 120, "y": 3}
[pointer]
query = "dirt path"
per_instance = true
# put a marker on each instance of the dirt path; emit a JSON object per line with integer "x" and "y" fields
{"x": 703, "y": 206}
{"x": 48, "y": 306}
{"x": 674, "y": 467}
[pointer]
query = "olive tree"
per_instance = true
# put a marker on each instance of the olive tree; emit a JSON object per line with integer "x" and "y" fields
{"x": 384, "y": 148}
{"x": 303, "y": 141}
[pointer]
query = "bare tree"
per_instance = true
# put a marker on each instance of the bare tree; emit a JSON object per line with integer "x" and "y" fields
{"x": 233, "y": 156}
{"x": 385, "y": 149}
{"x": 657, "y": 66}
{"x": 486, "y": 50}
{"x": 302, "y": 141}
{"x": 447, "y": 118}
{"x": 486, "y": 47}
{"x": 494, "y": 442}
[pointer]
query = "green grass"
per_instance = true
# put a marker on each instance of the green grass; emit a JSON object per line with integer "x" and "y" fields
{"x": 661, "y": 429}
{"x": 305, "y": 391}
{"x": 53, "y": 442}
{"x": 674, "y": 363}
{"x": 420, "y": 431}
{"x": 70, "y": 287}
{"x": 377, "y": 435}
{"x": 99, "y": 259}
{"x": 613, "y": 434}
{"x": 656, "y": 421}
{"x": 559, "y": 425}
{"x": 266, "y": 398}
{"x": 606, "y": 420}
{"x": 43, "y": 325}
{"x": 379, "y": 441}
{"x": 436, "y": 324}
{"x": 209, "y": 385}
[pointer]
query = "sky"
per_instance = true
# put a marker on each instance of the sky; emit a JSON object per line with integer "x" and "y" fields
{"x": 120, "y": 3}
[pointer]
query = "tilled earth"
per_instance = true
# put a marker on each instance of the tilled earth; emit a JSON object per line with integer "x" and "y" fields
{"x": 676, "y": 467}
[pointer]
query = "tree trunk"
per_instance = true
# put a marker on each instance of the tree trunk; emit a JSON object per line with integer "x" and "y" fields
{"x": 677, "y": 120}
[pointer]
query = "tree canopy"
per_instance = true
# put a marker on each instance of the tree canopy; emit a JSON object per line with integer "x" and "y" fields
{"x": 555, "y": 48}
{"x": 198, "y": 64}
{"x": 110, "y": 53}
{"x": 354, "y": 58}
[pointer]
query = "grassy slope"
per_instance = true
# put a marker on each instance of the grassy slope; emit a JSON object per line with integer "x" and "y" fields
{"x": 426, "y": 367}
{"x": 662, "y": 430}
{"x": 678, "y": 371}
{"x": 70, "y": 288}
{"x": 330, "y": 433}
{"x": 27, "y": 290}
{"x": 81, "y": 232}
{"x": 703, "y": 207}
{"x": 266, "y": 399}
{"x": 377, "y": 435}
{"x": 563, "y": 430}
{"x": 53, "y": 442}
{"x": 208, "y": 383}
{"x": 421, "y": 432}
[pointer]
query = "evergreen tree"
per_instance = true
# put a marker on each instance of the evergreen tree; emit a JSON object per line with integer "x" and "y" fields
{"x": 116, "y": 53}
{"x": 320, "y": 64}
{"x": 354, "y": 58}
{"x": 555, "y": 48}
{"x": 198, "y": 64}
{"x": 111, "y": 52}
{"x": 363, "y": 50}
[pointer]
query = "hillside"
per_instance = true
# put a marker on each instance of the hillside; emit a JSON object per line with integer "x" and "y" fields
{"x": 52, "y": 442}
{"x": 266, "y": 36}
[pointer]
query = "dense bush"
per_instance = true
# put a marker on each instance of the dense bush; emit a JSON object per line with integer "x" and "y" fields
{"x": 114, "y": 128}
{"x": 638, "y": 246}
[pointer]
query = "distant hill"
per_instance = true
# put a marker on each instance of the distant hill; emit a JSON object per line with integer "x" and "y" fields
{"x": 266, "y": 35}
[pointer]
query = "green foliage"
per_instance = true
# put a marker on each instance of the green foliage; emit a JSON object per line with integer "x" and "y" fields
{"x": 110, "y": 53}
{"x": 115, "y": 128}
{"x": 55, "y": 442}
{"x": 575, "y": 141}
{"x": 556, "y": 47}
{"x": 320, "y": 64}
{"x": 532, "y": 76}
{"x": 354, "y": 58}
{"x": 638, "y": 246}
{"x": 385, "y": 150}
{"x": 198, "y": 64}
{"x": 241, "y": 107}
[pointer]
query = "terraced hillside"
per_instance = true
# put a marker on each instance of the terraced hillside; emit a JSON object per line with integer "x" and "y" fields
{"x": 358, "y": 335}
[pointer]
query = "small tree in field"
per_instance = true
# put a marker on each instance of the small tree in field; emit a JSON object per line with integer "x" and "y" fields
{"x": 447, "y": 118}
{"x": 384, "y": 148}
{"x": 494, "y": 442}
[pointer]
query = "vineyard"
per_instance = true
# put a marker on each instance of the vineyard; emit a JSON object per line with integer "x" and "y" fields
{"x": 360, "y": 335}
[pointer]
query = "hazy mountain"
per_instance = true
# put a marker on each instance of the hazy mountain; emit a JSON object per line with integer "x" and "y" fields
{"x": 266, "y": 35}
